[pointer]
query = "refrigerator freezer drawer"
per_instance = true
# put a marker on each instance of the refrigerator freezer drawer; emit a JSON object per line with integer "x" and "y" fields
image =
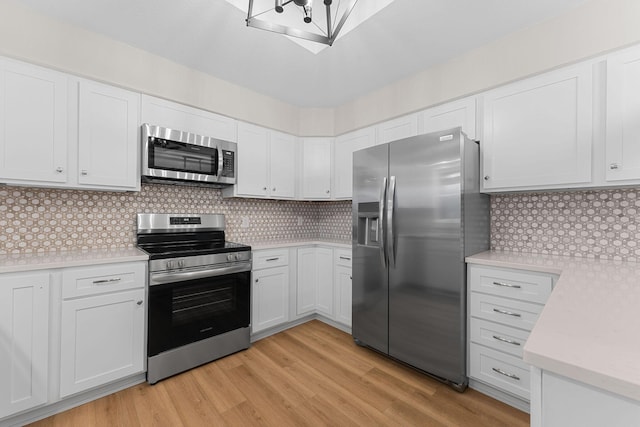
{"x": 518, "y": 314}
{"x": 500, "y": 370}
{"x": 511, "y": 284}
{"x": 499, "y": 337}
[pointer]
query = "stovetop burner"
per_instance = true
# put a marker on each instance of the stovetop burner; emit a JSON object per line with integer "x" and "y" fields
{"x": 181, "y": 235}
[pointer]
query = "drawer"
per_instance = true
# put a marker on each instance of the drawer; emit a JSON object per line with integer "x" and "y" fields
{"x": 270, "y": 258}
{"x": 525, "y": 286}
{"x": 78, "y": 282}
{"x": 342, "y": 257}
{"x": 518, "y": 314}
{"x": 500, "y": 370}
{"x": 499, "y": 337}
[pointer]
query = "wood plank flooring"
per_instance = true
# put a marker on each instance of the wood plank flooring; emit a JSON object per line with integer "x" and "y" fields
{"x": 310, "y": 375}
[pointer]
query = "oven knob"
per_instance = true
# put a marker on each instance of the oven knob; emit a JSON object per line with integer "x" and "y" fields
{"x": 169, "y": 265}
{"x": 181, "y": 263}
{"x": 231, "y": 257}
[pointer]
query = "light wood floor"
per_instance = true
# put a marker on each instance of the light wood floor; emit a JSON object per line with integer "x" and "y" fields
{"x": 311, "y": 375}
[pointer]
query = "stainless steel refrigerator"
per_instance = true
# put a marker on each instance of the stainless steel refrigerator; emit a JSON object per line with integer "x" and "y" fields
{"x": 417, "y": 212}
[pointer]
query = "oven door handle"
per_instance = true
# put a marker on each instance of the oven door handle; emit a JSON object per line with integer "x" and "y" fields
{"x": 182, "y": 276}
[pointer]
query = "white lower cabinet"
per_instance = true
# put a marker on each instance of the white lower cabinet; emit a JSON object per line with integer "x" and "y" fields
{"x": 315, "y": 281}
{"x": 558, "y": 401}
{"x": 504, "y": 305}
{"x": 270, "y": 289}
{"x": 342, "y": 286}
{"x": 24, "y": 341}
{"x": 102, "y": 327}
{"x": 102, "y": 340}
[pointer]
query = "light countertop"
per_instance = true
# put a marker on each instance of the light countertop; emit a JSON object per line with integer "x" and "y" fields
{"x": 275, "y": 244}
{"x": 49, "y": 260}
{"x": 589, "y": 329}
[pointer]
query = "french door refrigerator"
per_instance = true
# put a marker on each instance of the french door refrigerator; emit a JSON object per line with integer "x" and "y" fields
{"x": 417, "y": 212}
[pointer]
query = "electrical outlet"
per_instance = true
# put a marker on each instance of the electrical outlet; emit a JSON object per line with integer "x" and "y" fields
{"x": 300, "y": 220}
{"x": 245, "y": 222}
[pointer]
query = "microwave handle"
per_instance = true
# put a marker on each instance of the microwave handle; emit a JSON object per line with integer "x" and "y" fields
{"x": 220, "y": 162}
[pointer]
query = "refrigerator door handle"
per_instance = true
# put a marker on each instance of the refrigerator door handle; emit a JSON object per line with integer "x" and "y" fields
{"x": 391, "y": 247}
{"x": 381, "y": 233}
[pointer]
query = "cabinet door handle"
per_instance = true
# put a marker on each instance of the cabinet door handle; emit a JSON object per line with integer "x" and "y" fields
{"x": 264, "y": 188}
{"x": 507, "y": 285}
{"x": 106, "y": 281}
{"x": 346, "y": 258}
{"x": 328, "y": 191}
{"x": 506, "y": 374}
{"x": 613, "y": 166}
{"x": 257, "y": 280}
{"x": 272, "y": 259}
{"x": 139, "y": 302}
{"x": 508, "y": 313}
{"x": 274, "y": 189}
{"x": 84, "y": 173}
{"x": 508, "y": 341}
{"x": 59, "y": 169}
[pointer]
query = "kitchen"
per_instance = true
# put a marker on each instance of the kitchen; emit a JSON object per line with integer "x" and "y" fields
{"x": 35, "y": 219}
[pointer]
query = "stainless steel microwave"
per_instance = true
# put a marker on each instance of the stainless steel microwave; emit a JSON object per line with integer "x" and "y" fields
{"x": 172, "y": 156}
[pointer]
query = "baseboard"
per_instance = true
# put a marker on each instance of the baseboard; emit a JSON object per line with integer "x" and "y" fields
{"x": 500, "y": 395}
{"x": 280, "y": 328}
{"x": 37, "y": 414}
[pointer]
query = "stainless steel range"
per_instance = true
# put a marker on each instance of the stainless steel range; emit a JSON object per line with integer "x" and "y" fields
{"x": 199, "y": 291}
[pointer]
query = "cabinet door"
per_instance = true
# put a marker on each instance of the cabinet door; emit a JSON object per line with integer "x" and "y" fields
{"x": 324, "y": 281}
{"x": 33, "y": 123}
{"x": 270, "y": 298}
{"x": 108, "y": 132}
{"x": 181, "y": 117}
{"x": 538, "y": 132}
{"x": 344, "y": 147}
{"x": 282, "y": 165}
{"x": 253, "y": 152}
{"x": 316, "y": 168}
{"x": 306, "y": 283}
{"x": 343, "y": 294}
{"x": 102, "y": 340}
{"x": 450, "y": 115}
{"x": 393, "y": 130}
{"x": 623, "y": 116}
{"x": 24, "y": 346}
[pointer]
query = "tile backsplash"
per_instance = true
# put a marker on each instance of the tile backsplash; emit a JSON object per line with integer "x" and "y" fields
{"x": 46, "y": 220}
{"x": 602, "y": 224}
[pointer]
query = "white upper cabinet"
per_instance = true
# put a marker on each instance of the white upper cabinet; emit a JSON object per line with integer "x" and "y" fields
{"x": 623, "y": 117}
{"x": 461, "y": 113}
{"x": 108, "y": 134}
{"x": 160, "y": 112}
{"x": 60, "y": 131}
{"x": 33, "y": 123}
{"x": 282, "y": 165}
{"x": 344, "y": 147}
{"x": 316, "y": 168}
{"x": 393, "y": 130}
{"x": 266, "y": 164}
{"x": 538, "y": 132}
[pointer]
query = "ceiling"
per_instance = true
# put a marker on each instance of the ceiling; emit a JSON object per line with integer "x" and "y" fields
{"x": 402, "y": 39}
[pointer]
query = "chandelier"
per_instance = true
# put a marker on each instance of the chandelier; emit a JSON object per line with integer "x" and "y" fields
{"x": 319, "y": 21}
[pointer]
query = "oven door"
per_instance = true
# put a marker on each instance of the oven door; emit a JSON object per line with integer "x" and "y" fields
{"x": 195, "y": 307}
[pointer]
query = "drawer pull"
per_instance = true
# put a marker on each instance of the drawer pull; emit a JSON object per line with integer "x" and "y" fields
{"x": 106, "y": 281}
{"x": 507, "y": 285}
{"x": 506, "y": 374}
{"x": 345, "y": 258}
{"x": 508, "y": 341}
{"x": 272, "y": 259}
{"x": 508, "y": 313}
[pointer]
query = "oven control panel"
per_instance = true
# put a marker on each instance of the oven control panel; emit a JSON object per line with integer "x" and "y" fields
{"x": 200, "y": 261}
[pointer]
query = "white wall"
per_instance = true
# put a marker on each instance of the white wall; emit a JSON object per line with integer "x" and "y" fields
{"x": 43, "y": 41}
{"x": 596, "y": 27}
